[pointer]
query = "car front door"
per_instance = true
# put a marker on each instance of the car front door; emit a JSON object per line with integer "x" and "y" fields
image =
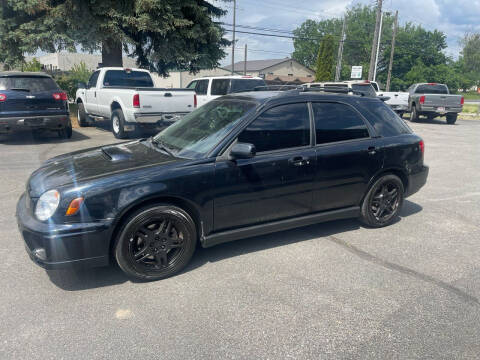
{"x": 347, "y": 156}
{"x": 91, "y": 104}
{"x": 277, "y": 182}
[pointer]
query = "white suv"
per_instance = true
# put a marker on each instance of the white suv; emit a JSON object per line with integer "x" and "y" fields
{"x": 209, "y": 88}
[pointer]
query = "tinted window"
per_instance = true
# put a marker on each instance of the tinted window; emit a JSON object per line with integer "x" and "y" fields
{"x": 202, "y": 87}
{"x": 239, "y": 85}
{"x": 93, "y": 79}
{"x": 220, "y": 86}
{"x": 285, "y": 126}
{"x": 375, "y": 86}
{"x": 366, "y": 89}
{"x": 340, "y": 88}
{"x": 127, "y": 78}
{"x": 192, "y": 85}
{"x": 337, "y": 122}
{"x": 385, "y": 121}
{"x": 30, "y": 83}
{"x": 431, "y": 89}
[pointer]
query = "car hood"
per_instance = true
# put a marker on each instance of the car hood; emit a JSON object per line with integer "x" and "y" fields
{"x": 97, "y": 162}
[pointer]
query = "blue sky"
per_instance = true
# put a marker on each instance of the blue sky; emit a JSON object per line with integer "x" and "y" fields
{"x": 453, "y": 17}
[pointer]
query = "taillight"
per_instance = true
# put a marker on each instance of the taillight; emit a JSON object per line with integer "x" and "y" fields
{"x": 3, "y": 97}
{"x": 195, "y": 100}
{"x": 60, "y": 96}
{"x": 462, "y": 101}
{"x": 422, "y": 146}
{"x": 136, "y": 101}
{"x": 422, "y": 99}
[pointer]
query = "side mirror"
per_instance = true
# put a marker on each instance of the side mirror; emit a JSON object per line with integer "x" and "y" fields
{"x": 81, "y": 85}
{"x": 242, "y": 151}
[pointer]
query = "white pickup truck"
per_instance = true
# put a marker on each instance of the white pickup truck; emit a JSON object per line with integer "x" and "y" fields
{"x": 130, "y": 100}
{"x": 398, "y": 100}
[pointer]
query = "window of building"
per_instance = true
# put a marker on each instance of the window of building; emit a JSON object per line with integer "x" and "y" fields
{"x": 337, "y": 122}
{"x": 282, "y": 127}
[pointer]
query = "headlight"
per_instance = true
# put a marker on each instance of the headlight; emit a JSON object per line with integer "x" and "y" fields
{"x": 47, "y": 204}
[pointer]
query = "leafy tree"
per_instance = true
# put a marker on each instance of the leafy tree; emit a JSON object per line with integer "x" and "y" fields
{"x": 471, "y": 52}
{"x": 161, "y": 34}
{"x": 69, "y": 81}
{"x": 33, "y": 65}
{"x": 325, "y": 60}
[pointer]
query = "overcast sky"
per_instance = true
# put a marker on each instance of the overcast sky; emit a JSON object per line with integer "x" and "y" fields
{"x": 454, "y": 17}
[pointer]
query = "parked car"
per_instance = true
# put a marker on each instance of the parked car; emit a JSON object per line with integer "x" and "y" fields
{"x": 33, "y": 101}
{"x": 433, "y": 100}
{"x": 242, "y": 165}
{"x": 129, "y": 98}
{"x": 350, "y": 87}
{"x": 209, "y": 88}
{"x": 397, "y": 100}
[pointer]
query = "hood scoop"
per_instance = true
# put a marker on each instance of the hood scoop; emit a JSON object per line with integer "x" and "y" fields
{"x": 117, "y": 153}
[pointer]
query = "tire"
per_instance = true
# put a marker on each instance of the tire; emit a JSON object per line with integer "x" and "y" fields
{"x": 380, "y": 209}
{"x": 148, "y": 246}
{"x": 414, "y": 115}
{"x": 66, "y": 133}
{"x": 452, "y": 118}
{"x": 430, "y": 117}
{"x": 118, "y": 124}
{"x": 82, "y": 116}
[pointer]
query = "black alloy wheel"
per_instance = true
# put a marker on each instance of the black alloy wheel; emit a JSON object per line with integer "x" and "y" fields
{"x": 383, "y": 201}
{"x": 156, "y": 243}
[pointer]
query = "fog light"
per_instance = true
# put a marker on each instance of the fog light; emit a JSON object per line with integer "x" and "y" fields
{"x": 40, "y": 254}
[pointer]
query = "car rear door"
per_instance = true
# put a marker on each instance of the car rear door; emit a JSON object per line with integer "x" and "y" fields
{"x": 277, "y": 182}
{"x": 347, "y": 156}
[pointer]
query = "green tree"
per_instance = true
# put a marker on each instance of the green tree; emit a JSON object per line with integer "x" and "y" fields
{"x": 161, "y": 34}
{"x": 69, "y": 81}
{"x": 324, "y": 70}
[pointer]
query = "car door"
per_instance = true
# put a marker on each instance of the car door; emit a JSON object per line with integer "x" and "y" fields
{"x": 91, "y": 104}
{"x": 347, "y": 156}
{"x": 202, "y": 92}
{"x": 277, "y": 182}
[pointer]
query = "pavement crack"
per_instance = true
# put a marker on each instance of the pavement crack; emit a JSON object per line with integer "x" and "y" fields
{"x": 404, "y": 270}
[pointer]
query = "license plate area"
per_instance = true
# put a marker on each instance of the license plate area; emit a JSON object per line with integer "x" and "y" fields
{"x": 441, "y": 109}
{"x": 34, "y": 121}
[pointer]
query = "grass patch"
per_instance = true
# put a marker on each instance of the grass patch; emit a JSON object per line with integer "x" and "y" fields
{"x": 470, "y": 108}
{"x": 472, "y": 95}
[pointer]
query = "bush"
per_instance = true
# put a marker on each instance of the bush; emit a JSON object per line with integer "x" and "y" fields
{"x": 69, "y": 81}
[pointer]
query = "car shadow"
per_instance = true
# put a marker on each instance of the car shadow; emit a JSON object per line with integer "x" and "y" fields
{"x": 48, "y": 137}
{"x": 83, "y": 279}
{"x": 106, "y": 126}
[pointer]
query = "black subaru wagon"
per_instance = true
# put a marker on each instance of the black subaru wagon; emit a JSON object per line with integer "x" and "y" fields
{"x": 242, "y": 165}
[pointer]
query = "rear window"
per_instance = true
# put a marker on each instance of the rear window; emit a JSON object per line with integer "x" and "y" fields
{"x": 366, "y": 89}
{"x": 338, "y": 88}
{"x": 385, "y": 121}
{"x": 240, "y": 85}
{"x": 28, "y": 83}
{"x": 432, "y": 89}
{"x": 127, "y": 78}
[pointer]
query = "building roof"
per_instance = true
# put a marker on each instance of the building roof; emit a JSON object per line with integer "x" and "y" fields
{"x": 256, "y": 65}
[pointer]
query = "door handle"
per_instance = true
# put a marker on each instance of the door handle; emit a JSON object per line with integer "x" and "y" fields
{"x": 372, "y": 150}
{"x": 168, "y": 94}
{"x": 95, "y": 94}
{"x": 299, "y": 161}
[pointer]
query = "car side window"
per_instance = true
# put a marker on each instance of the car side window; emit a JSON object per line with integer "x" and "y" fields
{"x": 337, "y": 122}
{"x": 202, "y": 87}
{"x": 92, "y": 82}
{"x": 281, "y": 127}
{"x": 192, "y": 85}
{"x": 220, "y": 86}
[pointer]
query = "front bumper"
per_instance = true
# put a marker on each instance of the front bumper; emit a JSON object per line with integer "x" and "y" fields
{"x": 416, "y": 180}
{"x": 47, "y": 122}
{"x": 59, "y": 246}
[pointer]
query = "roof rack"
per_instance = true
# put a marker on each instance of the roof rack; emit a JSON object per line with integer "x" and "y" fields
{"x": 278, "y": 88}
{"x": 334, "y": 89}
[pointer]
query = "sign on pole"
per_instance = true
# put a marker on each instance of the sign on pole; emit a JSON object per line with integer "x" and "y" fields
{"x": 356, "y": 72}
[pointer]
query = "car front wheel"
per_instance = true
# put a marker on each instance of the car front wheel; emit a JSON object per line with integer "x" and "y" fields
{"x": 383, "y": 201}
{"x": 156, "y": 242}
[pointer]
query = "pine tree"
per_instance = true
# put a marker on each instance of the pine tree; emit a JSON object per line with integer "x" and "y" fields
{"x": 325, "y": 60}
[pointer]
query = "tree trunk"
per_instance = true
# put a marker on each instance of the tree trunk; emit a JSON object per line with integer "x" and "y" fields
{"x": 111, "y": 53}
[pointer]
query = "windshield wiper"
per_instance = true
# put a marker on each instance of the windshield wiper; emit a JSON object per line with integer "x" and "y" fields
{"x": 161, "y": 146}
{"x": 20, "y": 89}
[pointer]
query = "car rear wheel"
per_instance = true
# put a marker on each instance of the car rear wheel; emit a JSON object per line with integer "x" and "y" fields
{"x": 156, "y": 242}
{"x": 452, "y": 118}
{"x": 82, "y": 115}
{"x": 118, "y": 124}
{"x": 66, "y": 132}
{"x": 414, "y": 115}
{"x": 383, "y": 201}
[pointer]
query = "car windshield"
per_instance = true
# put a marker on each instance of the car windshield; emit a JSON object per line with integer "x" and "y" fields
{"x": 28, "y": 83}
{"x": 196, "y": 134}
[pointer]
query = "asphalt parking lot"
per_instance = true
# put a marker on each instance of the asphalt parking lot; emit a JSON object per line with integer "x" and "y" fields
{"x": 335, "y": 290}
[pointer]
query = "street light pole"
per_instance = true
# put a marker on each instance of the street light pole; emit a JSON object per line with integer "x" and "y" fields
{"x": 233, "y": 39}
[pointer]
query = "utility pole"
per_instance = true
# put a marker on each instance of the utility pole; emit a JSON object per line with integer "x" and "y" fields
{"x": 375, "y": 40}
{"x": 378, "y": 48}
{"x": 233, "y": 40}
{"x": 390, "y": 66}
{"x": 340, "y": 51}
{"x": 245, "y": 61}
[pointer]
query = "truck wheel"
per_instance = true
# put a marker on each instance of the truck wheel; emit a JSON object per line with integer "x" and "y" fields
{"x": 66, "y": 132}
{"x": 118, "y": 124}
{"x": 414, "y": 115}
{"x": 82, "y": 115}
{"x": 451, "y": 118}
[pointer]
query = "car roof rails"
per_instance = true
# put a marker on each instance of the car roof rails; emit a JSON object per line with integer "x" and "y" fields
{"x": 334, "y": 89}
{"x": 278, "y": 88}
